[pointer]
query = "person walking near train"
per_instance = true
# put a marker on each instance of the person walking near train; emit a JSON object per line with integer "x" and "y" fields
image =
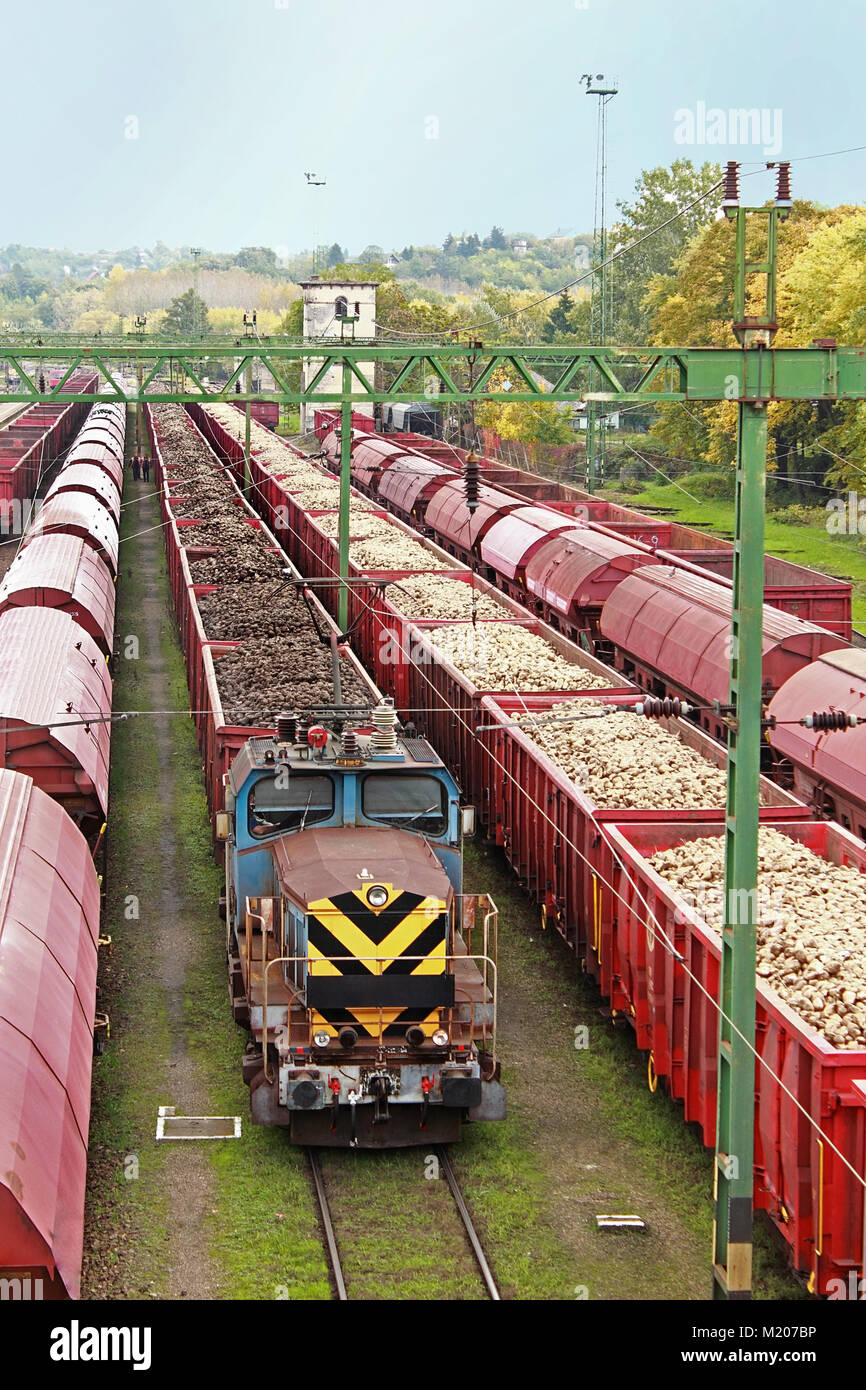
{"x": 145, "y": 467}
{"x": 136, "y": 467}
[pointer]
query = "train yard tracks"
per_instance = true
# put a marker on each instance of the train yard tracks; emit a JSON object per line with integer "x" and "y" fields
{"x": 435, "y": 1164}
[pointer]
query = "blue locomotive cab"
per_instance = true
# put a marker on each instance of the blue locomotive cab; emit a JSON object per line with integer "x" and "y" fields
{"x": 365, "y": 974}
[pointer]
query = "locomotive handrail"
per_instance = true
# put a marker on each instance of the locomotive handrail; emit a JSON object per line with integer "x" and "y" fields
{"x": 491, "y": 914}
{"x": 381, "y": 960}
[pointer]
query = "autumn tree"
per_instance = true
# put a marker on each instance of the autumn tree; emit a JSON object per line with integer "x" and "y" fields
{"x": 660, "y": 194}
{"x": 821, "y": 293}
{"x": 187, "y": 315}
{"x": 293, "y": 321}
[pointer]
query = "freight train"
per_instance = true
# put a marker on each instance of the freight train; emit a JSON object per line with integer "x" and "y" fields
{"x": 56, "y": 634}
{"x": 553, "y": 748}
{"x": 32, "y": 442}
{"x": 654, "y": 613}
{"x": 366, "y": 976}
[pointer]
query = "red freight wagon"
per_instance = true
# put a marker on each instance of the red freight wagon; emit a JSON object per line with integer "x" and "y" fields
{"x": 266, "y": 413}
{"x": 808, "y": 595}
{"x": 446, "y": 701}
{"x": 573, "y": 576}
{"x": 52, "y": 674}
{"x": 829, "y": 766}
{"x": 64, "y": 573}
{"x": 372, "y": 456}
{"x": 652, "y": 532}
{"x": 810, "y": 1194}
{"x": 407, "y": 490}
{"x": 671, "y": 631}
{"x": 551, "y": 829}
{"x": 814, "y": 597}
{"x": 49, "y": 930}
{"x": 101, "y": 449}
{"x": 449, "y": 520}
{"x": 79, "y": 514}
{"x": 44, "y": 432}
{"x": 508, "y": 546}
{"x": 86, "y": 477}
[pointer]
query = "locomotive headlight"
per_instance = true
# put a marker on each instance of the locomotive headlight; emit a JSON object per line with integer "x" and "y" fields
{"x": 321, "y": 1039}
{"x": 440, "y": 1037}
{"x": 377, "y": 896}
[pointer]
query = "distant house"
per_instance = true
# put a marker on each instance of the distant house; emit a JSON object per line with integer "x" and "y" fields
{"x": 391, "y": 260}
{"x": 520, "y": 246}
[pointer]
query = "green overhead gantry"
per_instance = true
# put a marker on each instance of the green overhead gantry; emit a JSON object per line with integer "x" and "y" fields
{"x": 753, "y": 374}
{"x": 440, "y": 372}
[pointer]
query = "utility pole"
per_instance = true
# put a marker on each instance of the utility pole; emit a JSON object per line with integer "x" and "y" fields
{"x": 195, "y": 252}
{"x": 140, "y": 327}
{"x": 734, "y": 1167}
{"x": 250, "y": 331}
{"x": 345, "y": 485}
{"x": 345, "y": 474}
{"x": 314, "y": 182}
{"x": 605, "y": 89}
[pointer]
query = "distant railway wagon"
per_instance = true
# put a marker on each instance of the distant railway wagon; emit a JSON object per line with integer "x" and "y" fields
{"x": 56, "y": 632}
{"x": 34, "y": 440}
{"x": 52, "y": 676}
{"x": 829, "y": 764}
{"x": 671, "y": 631}
{"x": 64, "y": 573}
{"x": 49, "y": 930}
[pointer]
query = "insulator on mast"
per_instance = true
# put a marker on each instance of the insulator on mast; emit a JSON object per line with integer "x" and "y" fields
{"x": 783, "y": 183}
{"x": 470, "y": 481}
{"x": 731, "y": 194}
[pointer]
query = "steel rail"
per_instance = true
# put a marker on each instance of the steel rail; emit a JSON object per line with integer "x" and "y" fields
{"x": 330, "y": 1238}
{"x": 477, "y": 1247}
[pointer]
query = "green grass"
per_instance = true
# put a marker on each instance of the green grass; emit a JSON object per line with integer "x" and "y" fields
{"x": 290, "y": 423}
{"x": 125, "y": 1214}
{"x": 262, "y": 1232}
{"x": 841, "y": 556}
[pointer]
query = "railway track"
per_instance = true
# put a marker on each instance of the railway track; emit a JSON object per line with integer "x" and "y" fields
{"x": 335, "y": 1257}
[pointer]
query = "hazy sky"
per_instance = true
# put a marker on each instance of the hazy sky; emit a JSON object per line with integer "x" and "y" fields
{"x": 424, "y": 117}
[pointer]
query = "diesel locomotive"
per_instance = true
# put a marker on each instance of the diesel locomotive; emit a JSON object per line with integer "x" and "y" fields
{"x": 366, "y": 977}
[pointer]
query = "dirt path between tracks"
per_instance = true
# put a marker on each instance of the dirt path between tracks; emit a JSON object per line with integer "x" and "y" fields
{"x": 187, "y": 1172}
{"x": 148, "y": 1204}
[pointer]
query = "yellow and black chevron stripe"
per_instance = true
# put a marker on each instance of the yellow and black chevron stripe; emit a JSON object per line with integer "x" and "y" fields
{"x": 350, "y": 989}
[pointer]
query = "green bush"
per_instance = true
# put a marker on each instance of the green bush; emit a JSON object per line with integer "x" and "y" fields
{"x": 711, "y": 486}
{"x": 798, "y": 515}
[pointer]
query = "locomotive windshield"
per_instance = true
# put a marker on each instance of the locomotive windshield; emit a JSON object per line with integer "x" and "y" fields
{"x": 284, "y": 802}
{"x": 406, "y": 802}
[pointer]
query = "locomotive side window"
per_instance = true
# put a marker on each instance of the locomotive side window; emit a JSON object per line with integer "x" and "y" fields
{"x": 410, "y": 802}
{"x": 283, "y": 803}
